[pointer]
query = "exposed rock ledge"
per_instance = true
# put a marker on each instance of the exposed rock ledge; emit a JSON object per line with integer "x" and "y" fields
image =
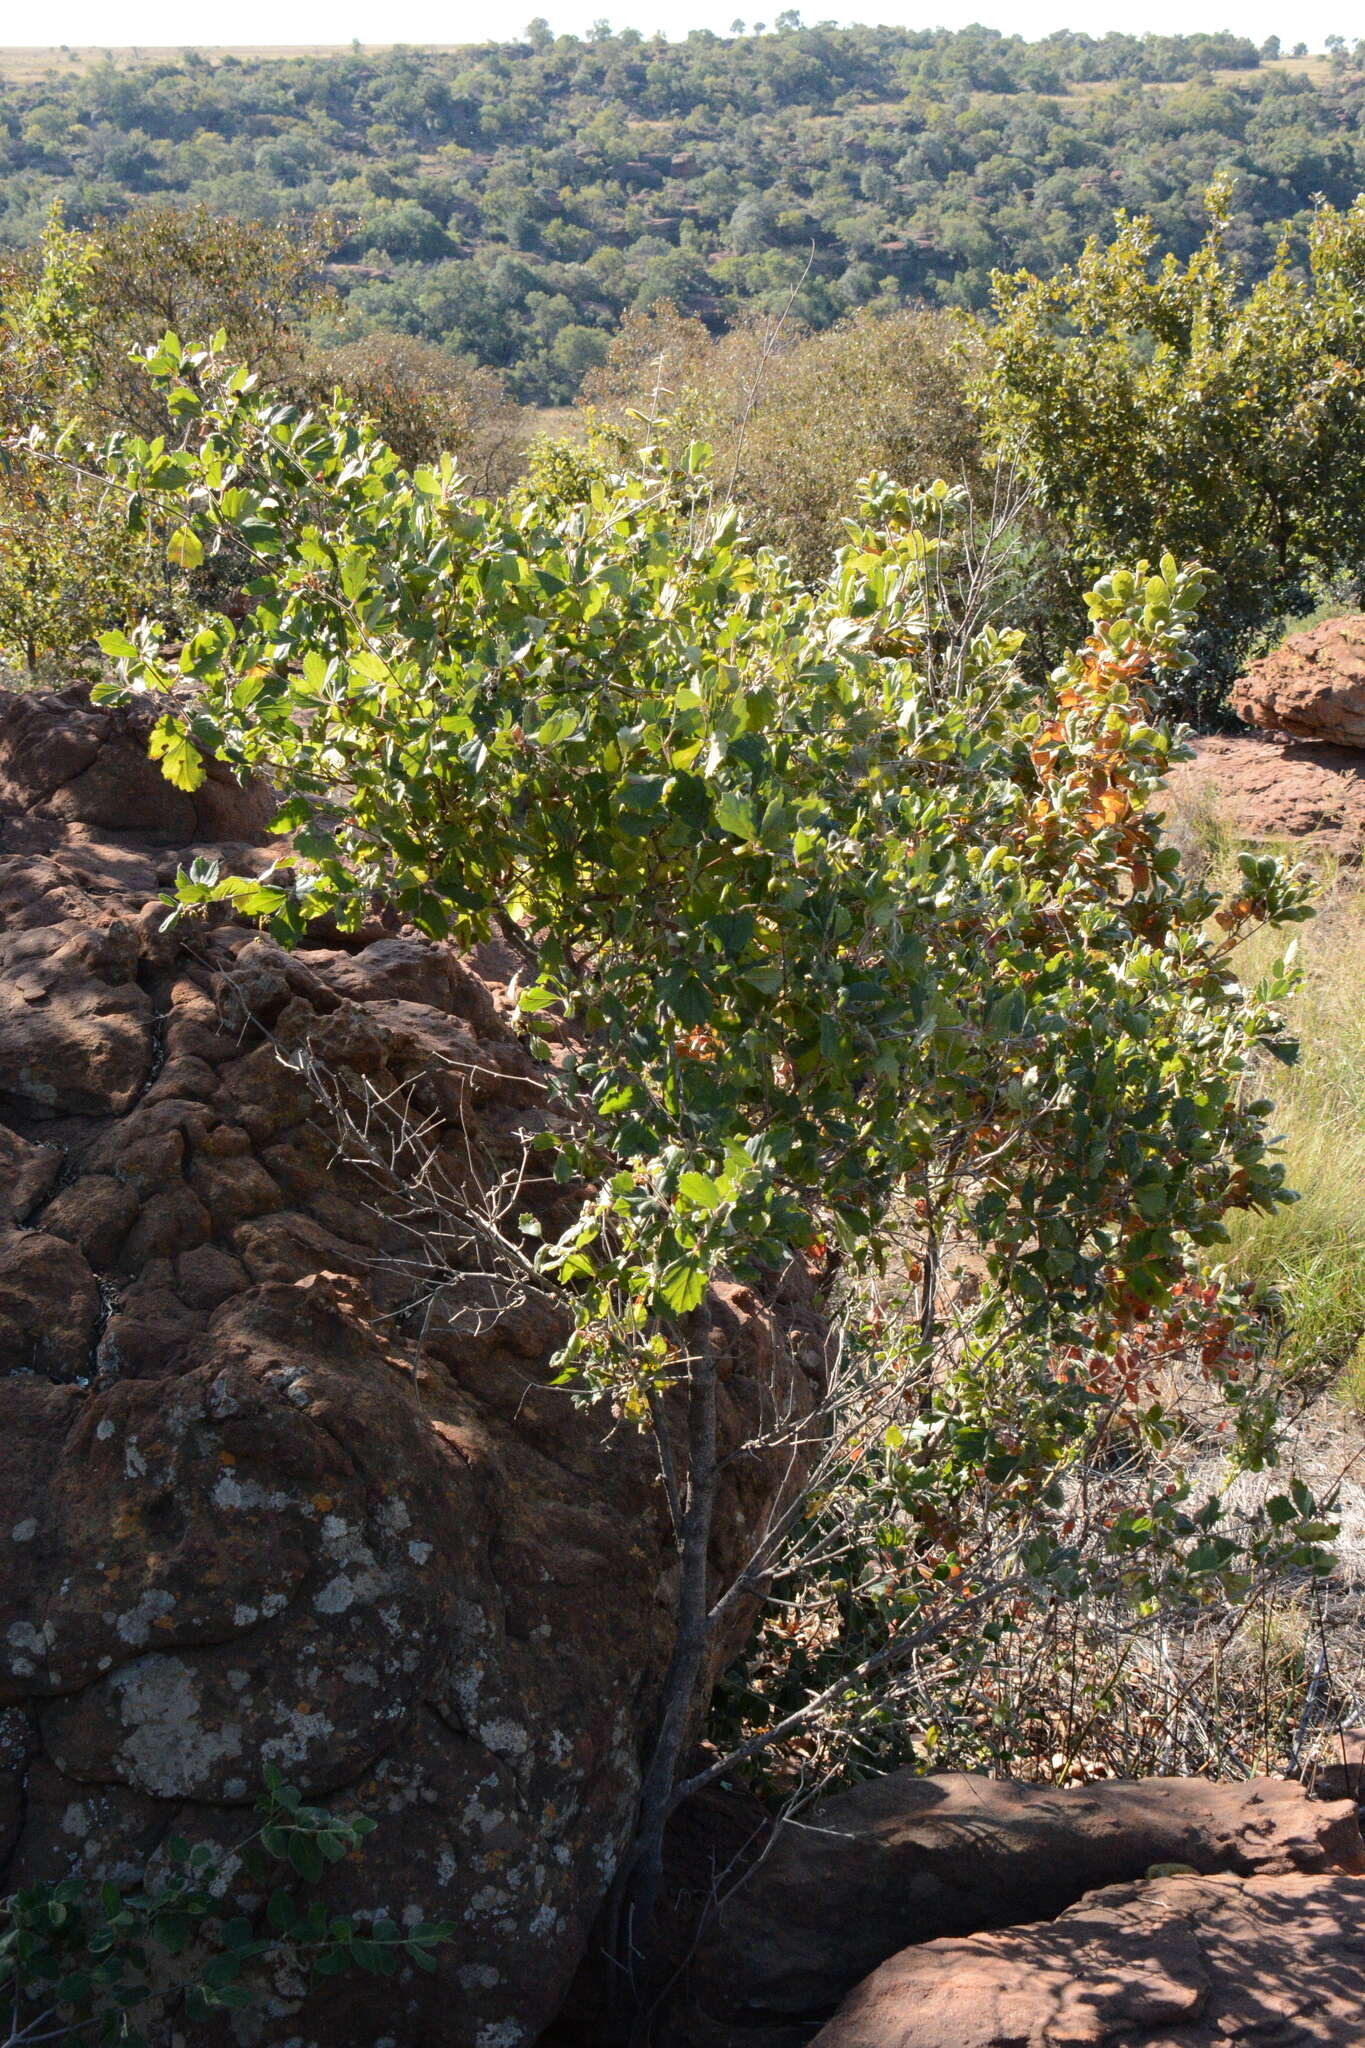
{"x": 1178, "y": 1962}
{"x": 903, "y": 1860}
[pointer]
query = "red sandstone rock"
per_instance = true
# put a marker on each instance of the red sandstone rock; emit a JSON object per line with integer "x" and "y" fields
{"x": 65, "y": 760}
{"x": 1263, "y": 788}
{"x": 906, "y": 1859}
{"x": 244, "y": 1517}
{"x": 1313, "y": 686}
{"x": 27, "y": 1175}
{"x": 1178, "y": 1962}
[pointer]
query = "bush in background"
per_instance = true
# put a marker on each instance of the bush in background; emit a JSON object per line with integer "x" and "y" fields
{"x": 1154, "y": 403}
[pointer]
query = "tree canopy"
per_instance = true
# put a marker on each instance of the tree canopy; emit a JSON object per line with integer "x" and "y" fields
{"x": 1149, "y": 399}
{"x": 512, "y": 200}
{"x": 837, "y": 935}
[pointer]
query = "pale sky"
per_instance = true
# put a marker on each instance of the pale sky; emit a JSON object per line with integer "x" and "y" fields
{"x": 120, "y": 22}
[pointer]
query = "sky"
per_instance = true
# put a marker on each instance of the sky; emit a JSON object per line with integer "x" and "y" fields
{"x": 269, "y": 22}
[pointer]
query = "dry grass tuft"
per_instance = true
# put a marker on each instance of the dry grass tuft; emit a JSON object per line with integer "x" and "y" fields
{"x": 1307, "y": 1262}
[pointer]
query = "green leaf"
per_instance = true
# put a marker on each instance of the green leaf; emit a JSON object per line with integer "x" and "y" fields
{"x": 559, "y": 726}
{"x": 181, "y": 761}
{"x": 281, "y": 1912}
{"x": 682, "y": 1286}
{"x": 184, "y": 549}
{"x": 735, "y": 813}
{"x": 306, "y": 1856}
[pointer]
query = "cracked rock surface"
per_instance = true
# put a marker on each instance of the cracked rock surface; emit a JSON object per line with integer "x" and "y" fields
{"x": 905, "y": 1859}
{"x": 1177, "y": 1962}
{"x": 267, "y": 1495}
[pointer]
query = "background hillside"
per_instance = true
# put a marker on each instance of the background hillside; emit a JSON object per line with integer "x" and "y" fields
{"x": 511, "y": 201}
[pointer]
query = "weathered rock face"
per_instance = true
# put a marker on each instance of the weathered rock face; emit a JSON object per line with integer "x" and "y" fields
{"x": 1269, "y": 789}
{"x": 906, "y": 1859}
{"x": 1178, "y": 1962}
{"x": 273, "y": 1491}
{"x": 1312, "y": 687}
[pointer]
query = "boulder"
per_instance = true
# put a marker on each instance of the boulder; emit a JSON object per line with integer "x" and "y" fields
{"x": 275, "y": 1490}
{"x": 66, "y": 760}
{"x": 1177, "y": 1962}
{"x": 1266, "y": 789}
{"x": 907, "y": 1859}
{"x": 1312, "y": 686}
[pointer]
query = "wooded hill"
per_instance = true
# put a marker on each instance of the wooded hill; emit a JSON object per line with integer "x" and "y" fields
{"x": 511, "y": 200}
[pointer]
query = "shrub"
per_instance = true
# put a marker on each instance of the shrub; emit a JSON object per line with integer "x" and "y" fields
{"x": 796, "y": 420}
{"x": 425, "y": 402}
{"x": 75, "y": 313}
{"x": 851, "y": 937}
{"x": 70, "y": 565}
{"x": 1157, "y": 402}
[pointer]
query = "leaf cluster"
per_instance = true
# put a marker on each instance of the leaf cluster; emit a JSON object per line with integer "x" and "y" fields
{"x": 85, "y": 1961}
{"x": 831, "y": 933}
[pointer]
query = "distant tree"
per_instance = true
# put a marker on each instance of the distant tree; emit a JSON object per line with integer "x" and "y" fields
{"x": 753, "y": 224}
{"x": 797, "y": 418}
{"x": 186, "y": 269}
{"x": 600, "y": 159}
{"x": 425, "y": 401}
{"x": 406, "y": 229}
{"x": 576, "y": 349}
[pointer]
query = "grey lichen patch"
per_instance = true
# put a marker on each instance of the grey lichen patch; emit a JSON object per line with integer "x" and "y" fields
{"x": 232, "y": 1492}
{"x": 135, "y": 1626}
{"x": 336, "y": 1596}
{"x": 302, "y": 1730}
{"x": 28, "y": 1647}
{"x": 504, "y": 1738}
{"x": 501, "y": 2034}
{"x": 168, "y": 1750}
{"x": 478, "y": 1977}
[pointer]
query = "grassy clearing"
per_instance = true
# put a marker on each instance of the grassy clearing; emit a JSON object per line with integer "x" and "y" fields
{"x": 1307, "y": 1262}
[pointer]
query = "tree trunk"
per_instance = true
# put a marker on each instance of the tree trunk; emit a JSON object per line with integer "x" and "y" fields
{"x": 635, "y": 1892}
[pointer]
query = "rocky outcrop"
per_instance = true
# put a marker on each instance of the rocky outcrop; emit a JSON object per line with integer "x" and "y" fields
{"x": 1311, "y": 687}
{"x": 906, "y": 1859}
{"x": 1270, "y": 790}
{"x": 284, "y": 1481}
{"x": 1177, "y": 1962}
{"x": 1301, "y": 777}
